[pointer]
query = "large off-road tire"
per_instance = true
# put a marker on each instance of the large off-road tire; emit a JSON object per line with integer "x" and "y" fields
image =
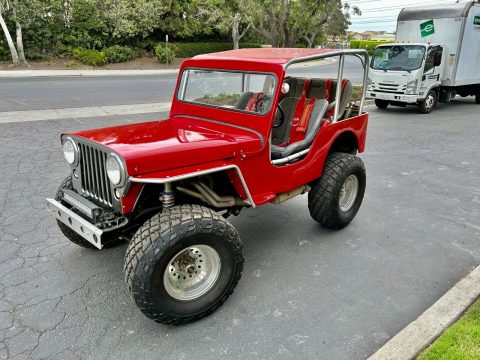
{"x": 382, "y": 104}
{"x": 69, "y": 233}
{"x": 336, "y": 197}
{"x": 426, "y": 106}
{"x": 183, "y": 263}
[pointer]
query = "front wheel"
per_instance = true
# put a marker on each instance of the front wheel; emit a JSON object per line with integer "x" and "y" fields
{"x": 477, "y": 98}
{"x": 426, "y": 106}
{"x": 336, "y": 197}
{"x": 382, "y": 104}
{"x": 183, "y": 263}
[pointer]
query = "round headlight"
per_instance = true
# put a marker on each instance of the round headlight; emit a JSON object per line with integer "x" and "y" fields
{"x": 70, "y": 152}
{"x": 115, "y": 170}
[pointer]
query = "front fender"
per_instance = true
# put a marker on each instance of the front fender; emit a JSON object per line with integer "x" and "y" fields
{"x": 162, "y": 177}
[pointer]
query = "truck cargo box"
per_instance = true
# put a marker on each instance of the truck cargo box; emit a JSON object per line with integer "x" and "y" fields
{"x": 457, "y": 27}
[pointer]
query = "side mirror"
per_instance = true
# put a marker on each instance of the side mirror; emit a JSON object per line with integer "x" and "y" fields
{"x": 438, "y": 58}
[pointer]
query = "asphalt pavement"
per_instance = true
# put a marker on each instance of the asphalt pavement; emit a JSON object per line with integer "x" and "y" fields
{"x": 306, "y": 292}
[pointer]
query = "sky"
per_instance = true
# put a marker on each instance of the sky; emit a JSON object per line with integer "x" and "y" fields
{"x": 381, "y": 15}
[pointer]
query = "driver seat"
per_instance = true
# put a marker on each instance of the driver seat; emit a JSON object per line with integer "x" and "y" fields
{"x": 316, "y": 118}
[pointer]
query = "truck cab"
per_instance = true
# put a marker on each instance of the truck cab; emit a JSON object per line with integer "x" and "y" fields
{"x": 406, "y": 73}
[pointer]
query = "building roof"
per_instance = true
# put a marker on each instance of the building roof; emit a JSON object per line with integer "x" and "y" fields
{"x": 279, "y": 56}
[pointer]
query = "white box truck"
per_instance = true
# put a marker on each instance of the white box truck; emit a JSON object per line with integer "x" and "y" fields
{"x": 436, "y": 55}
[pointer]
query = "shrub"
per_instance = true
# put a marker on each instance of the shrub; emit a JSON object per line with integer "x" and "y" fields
{"x": 90, "y": 57}
{"x": 146, "y": 44}
{"x": 35, "y": 54}
{"x": 72, "y": 64}
{"x": 118, "y": 54}
{"x": 185, "y": 50}
{"x": 164, "y": 54}
{"x": 369, "y": 45}
{"x": 139, "y": 52}
{"x": 4, "y": 51}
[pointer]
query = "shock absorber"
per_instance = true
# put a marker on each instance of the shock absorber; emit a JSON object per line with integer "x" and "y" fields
{"x": 168, "y": 196}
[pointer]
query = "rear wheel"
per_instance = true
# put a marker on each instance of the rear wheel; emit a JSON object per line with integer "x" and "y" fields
{"x": 426, "y": 106}
{"x": 183, "y": 263}
{"x": 382, "y": 104}
{"x": 477, "y": 98}
{"x": 336, "y": 197}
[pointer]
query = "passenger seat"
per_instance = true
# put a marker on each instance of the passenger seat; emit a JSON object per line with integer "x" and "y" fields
{"x": 318, "y": 89}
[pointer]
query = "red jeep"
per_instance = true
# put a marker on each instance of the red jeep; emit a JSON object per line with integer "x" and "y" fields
{"x": 241, "y": 133}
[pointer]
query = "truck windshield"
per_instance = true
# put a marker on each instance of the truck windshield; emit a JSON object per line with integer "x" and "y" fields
{"x": 398, "y": 57}
{"x": 250, "y": 92}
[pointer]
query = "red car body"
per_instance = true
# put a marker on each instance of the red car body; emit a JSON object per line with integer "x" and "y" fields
{"x": 197, "y": 139}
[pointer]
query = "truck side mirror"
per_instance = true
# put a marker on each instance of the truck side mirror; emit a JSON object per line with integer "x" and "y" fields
{"x": 438, "y": 58}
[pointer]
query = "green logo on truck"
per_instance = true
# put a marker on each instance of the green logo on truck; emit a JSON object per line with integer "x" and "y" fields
{"x": 476, "y": 20}
{"x": 427, "y": 28}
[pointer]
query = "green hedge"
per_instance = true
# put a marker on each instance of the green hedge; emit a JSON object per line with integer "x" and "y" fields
{"x": 164, "y": 54}
{"x": 118, "y": 54}
{"x": 369, "y": 45}
{"x": 185, "y": 50}
{"x": 90, "y": 57}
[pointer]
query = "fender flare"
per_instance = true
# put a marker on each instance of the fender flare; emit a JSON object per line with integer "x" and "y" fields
{"x": 188, "y": 175}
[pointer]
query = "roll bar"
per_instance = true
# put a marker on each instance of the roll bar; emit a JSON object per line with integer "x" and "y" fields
{"x": 360, "y": 53}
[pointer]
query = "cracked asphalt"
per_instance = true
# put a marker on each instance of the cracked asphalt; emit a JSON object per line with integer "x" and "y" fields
{"x": 305, "y": 293}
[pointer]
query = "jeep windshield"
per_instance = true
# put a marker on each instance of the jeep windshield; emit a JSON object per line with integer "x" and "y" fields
{"x": 398, "y": 57}
{"x": 239, "y": 91}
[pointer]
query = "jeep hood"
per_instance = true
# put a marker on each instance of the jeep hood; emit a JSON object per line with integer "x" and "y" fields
{"x": 174, "y": 143}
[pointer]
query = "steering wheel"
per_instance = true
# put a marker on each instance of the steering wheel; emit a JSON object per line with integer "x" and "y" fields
{"x": 383, "y": 65}
{"x": 279, "y": 117}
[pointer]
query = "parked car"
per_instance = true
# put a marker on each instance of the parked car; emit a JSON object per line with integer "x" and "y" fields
{"x": 240, "y": 134}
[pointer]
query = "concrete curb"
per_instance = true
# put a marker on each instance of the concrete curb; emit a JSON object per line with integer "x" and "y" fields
{"x": 419, "y": 334}
{"x": 46, "y": 73}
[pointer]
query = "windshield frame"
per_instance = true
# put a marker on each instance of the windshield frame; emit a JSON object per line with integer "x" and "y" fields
{"x": 424, "y": 46}
{"x": 182, "y": 87}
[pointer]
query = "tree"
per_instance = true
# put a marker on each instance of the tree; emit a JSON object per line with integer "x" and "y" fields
{"x": 5, "y": 6}
{"x": 227, "y": 16}
{"x": 340, "y": 21}
{"x": 22, "y": 13}
{"x": 284, "y": 22}
{"x": 234, "y": 18}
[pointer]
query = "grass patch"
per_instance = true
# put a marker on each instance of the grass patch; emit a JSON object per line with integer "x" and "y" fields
{"x": 357, "y": 92}
{"x": 222, "y": 99}
{"x": 459, "y": 342}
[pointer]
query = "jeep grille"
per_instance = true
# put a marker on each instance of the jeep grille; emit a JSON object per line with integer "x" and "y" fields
{"x": 95, "y": 183}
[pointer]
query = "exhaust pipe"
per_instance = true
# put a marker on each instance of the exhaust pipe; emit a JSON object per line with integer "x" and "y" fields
{"x": 207, "y": 195}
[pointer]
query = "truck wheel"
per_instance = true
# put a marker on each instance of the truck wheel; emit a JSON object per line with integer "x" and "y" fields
{"x": 335, "y": 198}
{"x": 477, "y": 98}
{"x": 426, "y": 106}
{"x": 183, "y": 263}
{"x": 69, "y": 233}
{"x": 382, "y": 104}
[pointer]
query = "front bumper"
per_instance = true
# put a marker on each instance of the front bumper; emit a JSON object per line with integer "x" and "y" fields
{"x": 410, "y": 99}
{"x": 75, "y": 222}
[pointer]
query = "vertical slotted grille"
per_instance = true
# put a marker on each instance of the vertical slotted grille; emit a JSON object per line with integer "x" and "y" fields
{"x": 95, "y": 183}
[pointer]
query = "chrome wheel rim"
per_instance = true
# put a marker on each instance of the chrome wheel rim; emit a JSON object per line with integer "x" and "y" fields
{"x": 192, "y": 272}
{"x": 429, "y": 101}
{"x": 348, "y": 193}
